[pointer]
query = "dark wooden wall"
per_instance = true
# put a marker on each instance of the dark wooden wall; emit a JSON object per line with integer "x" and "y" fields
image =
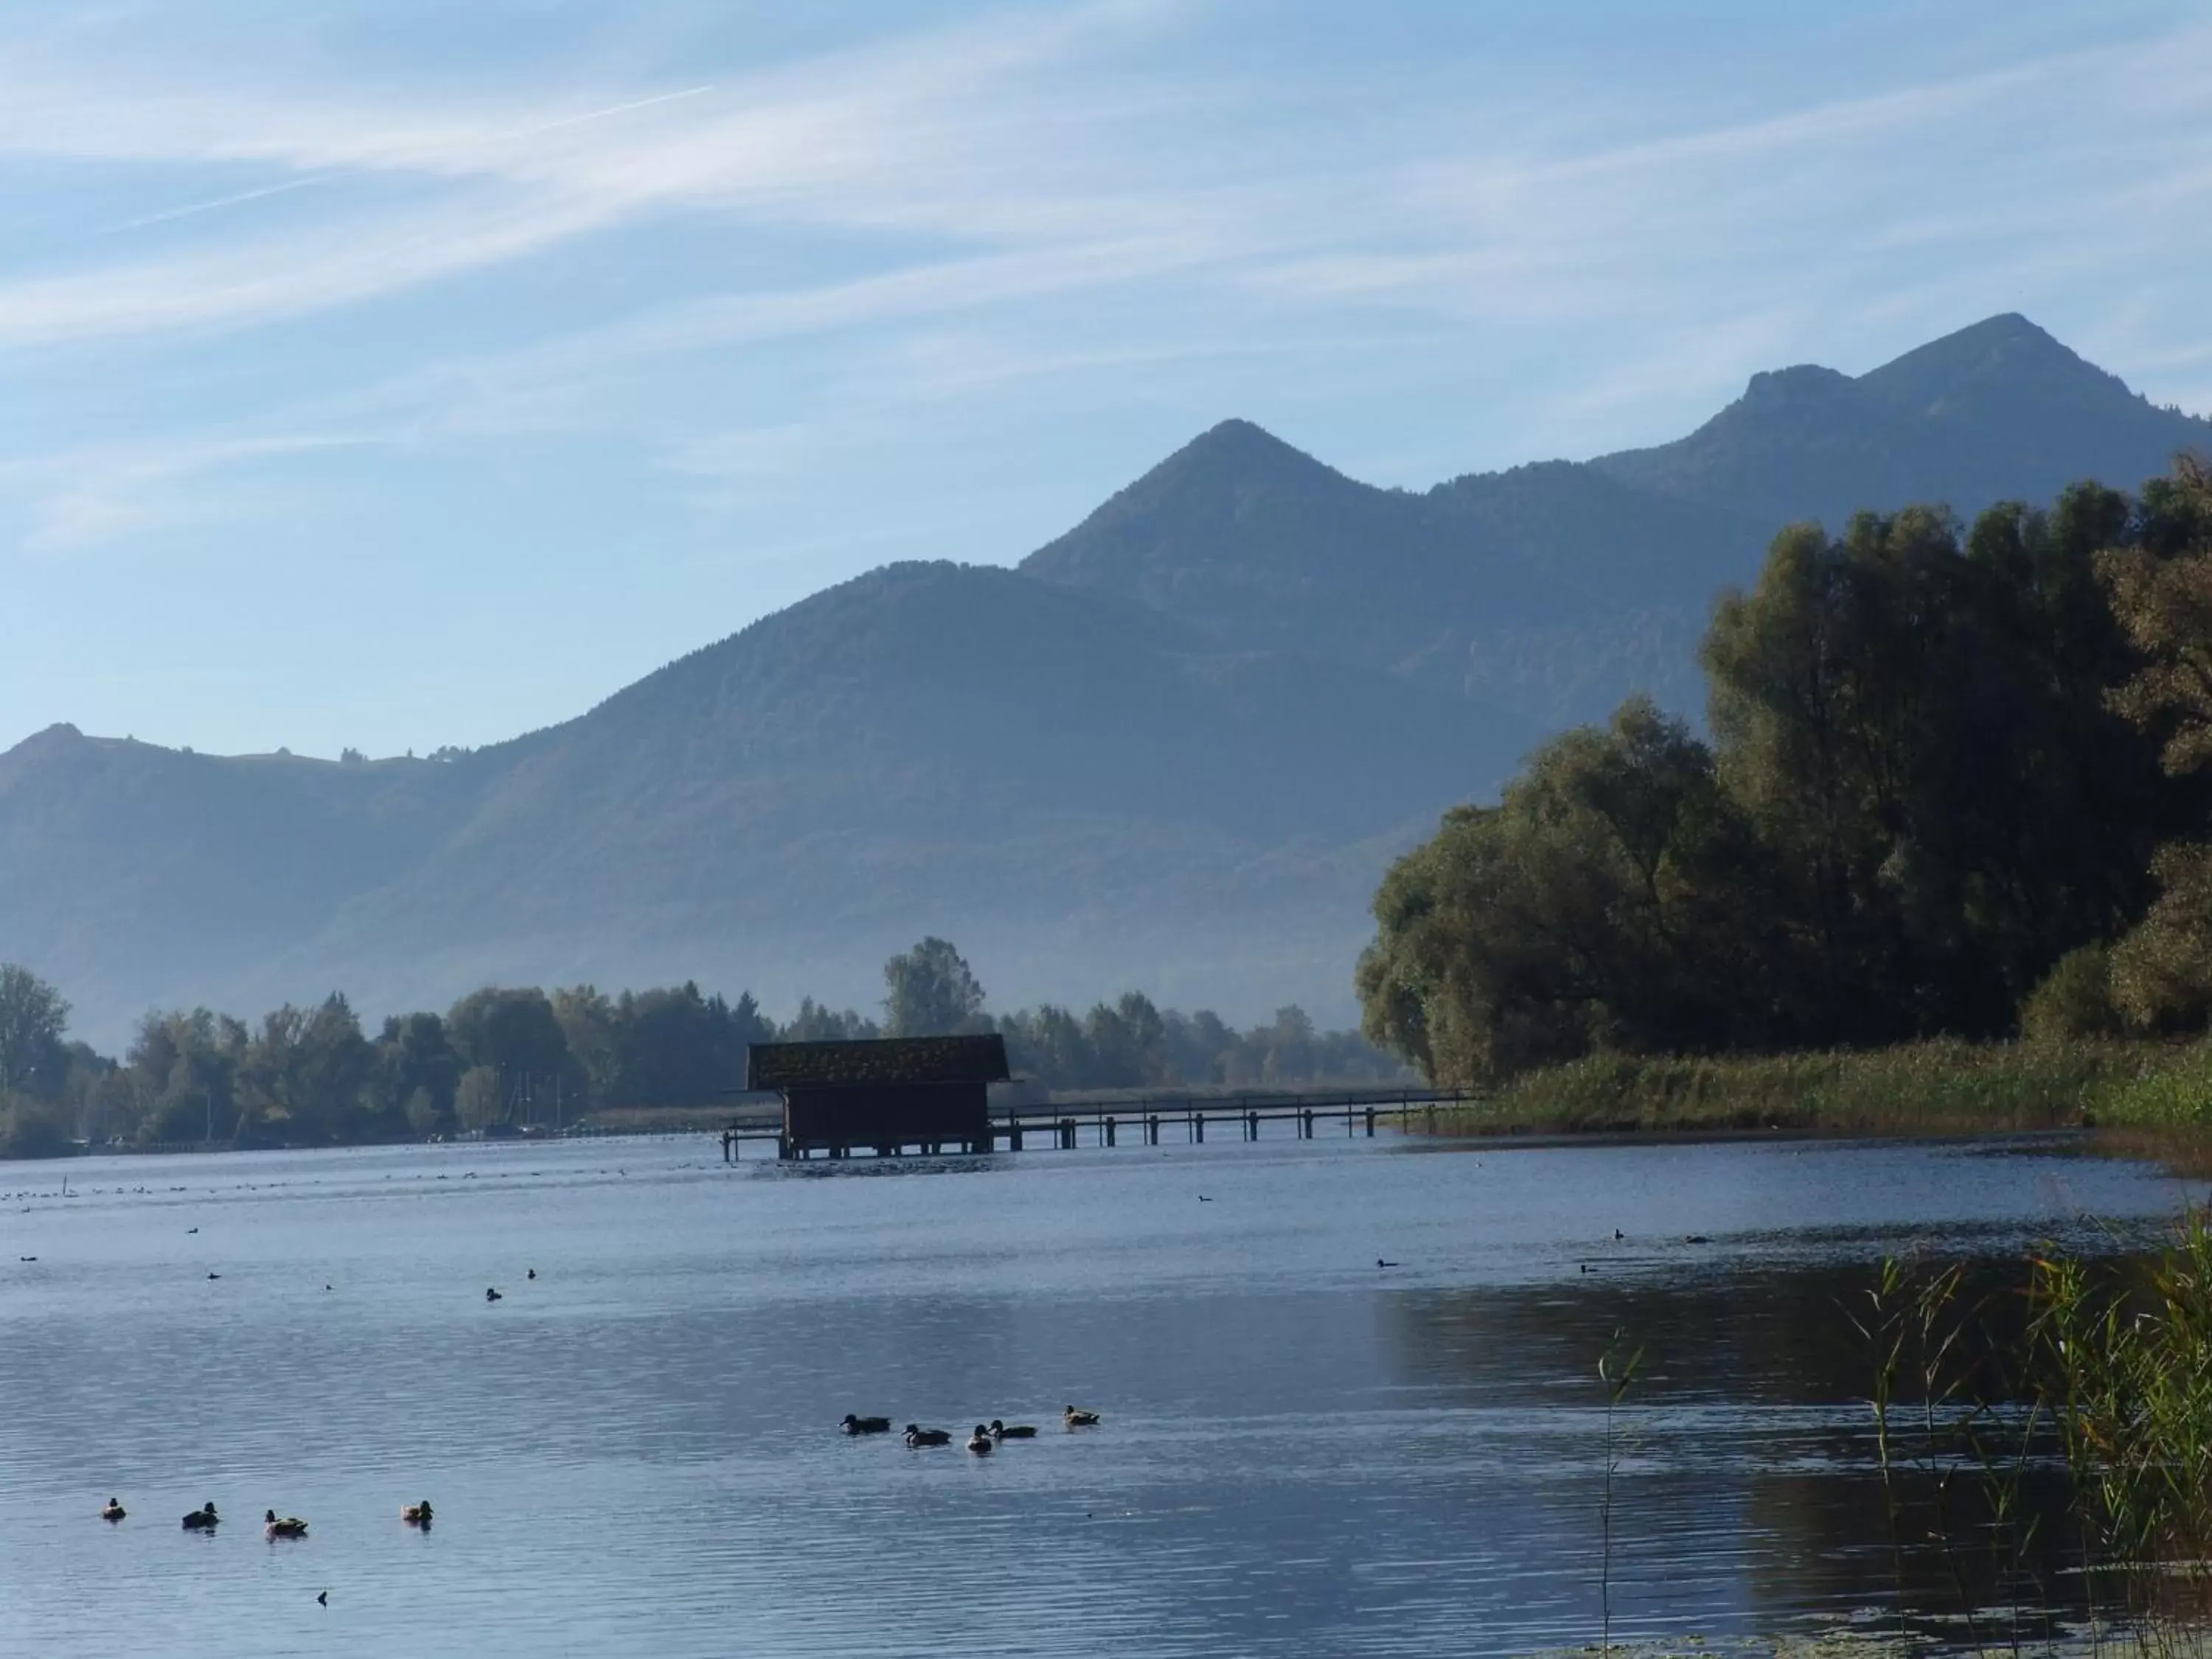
{"x": 887, "y": 1115}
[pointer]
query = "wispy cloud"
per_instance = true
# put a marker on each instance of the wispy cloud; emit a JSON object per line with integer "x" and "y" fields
{"x": 88, "y": 496}
{"x": 888, "y": 138}
{"x": 1023, "y": 164}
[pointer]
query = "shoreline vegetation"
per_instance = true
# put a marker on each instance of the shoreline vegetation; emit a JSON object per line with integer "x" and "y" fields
{"x": 513, "y": 1060}
{"x": 1940, "y": 861}
{"x": 1942, "y": 1087}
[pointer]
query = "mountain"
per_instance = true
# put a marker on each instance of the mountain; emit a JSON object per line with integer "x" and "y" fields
{"x": 1552, "y": 590}
{"x": 1522, "y": 588}
{"x": 1175, "y": 748}
{"x": 1052, "y": 777}
{"x": 1994, "y": 412}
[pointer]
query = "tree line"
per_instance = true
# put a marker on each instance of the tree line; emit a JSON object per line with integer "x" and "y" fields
{"x": 1956, "y": 784}
{"x": 508, "y": 1056}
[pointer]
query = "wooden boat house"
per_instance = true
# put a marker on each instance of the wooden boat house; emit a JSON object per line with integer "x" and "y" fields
{"x": 928, "y": 1093}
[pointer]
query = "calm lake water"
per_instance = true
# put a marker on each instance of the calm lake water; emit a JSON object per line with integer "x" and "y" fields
{"x": 636, "y": 1453}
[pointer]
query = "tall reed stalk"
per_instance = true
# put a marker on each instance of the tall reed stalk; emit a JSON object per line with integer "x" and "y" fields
{"x": 1616, "y": 1371}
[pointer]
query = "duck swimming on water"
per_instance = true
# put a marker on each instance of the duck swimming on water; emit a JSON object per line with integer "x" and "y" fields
{"x": 416, "y": 1514}
{"x": 1017, "y": 1431}
{"x": 289, "y": 1526}
{"x": 1077, "y": 1419}
{"x": 981, "y": 1442}
{"x": 112, "y": 1511}
{"x": 921, "y": 1436}
{"x": 853, "y": 1425}
{"x": 202, "y": 1519}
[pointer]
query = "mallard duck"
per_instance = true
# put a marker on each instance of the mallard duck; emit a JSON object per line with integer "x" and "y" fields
{"x": 202, "y": 1519}
{"x": 114, "y": 1512}
{"x": 1075, "y": 1419}
{"x": 416, "y": 1514}
{"x": 919, "y": 1437}
{"x": 853, "y": 1425}
{"x": 1018, "y": 1431}
{"x": 981, "y": 1442}
{"x": 289, "y": 1526}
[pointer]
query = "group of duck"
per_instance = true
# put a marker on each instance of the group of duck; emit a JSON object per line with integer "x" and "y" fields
{"x": 273, "y": 1525}
{"x": 982, "y": 1443}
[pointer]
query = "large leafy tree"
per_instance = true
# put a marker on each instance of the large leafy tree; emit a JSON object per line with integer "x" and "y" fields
{"x": 514, "y": 1031}
{"x": 930, "y": 991}
{"x": 1590, "y": 905}
{"x": 2161, "y": 595}
{"x": 32, "y": 1018}
{"x": 1916, "y": 723}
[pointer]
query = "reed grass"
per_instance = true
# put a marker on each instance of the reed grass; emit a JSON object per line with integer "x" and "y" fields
{"x": 1939, "y": 1087}
{"x": 2102, "y": 1368}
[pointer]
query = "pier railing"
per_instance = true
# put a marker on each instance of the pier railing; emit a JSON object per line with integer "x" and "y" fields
{"x": 1102, "y": 1118}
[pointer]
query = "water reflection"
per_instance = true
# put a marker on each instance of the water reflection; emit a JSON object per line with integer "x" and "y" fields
{"x": 1749, "y": 1445}
{"x": 1301, "y": 1453}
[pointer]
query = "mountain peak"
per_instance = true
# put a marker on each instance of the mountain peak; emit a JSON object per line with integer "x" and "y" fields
{"x": 1998, "y": 359}
{"x": 1241, "y": 447}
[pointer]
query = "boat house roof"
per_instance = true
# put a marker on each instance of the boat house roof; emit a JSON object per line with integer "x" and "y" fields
{"x": 881, "y": 1063}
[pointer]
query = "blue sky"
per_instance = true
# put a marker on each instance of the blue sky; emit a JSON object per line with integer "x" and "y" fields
{"x": 397, "y": 373}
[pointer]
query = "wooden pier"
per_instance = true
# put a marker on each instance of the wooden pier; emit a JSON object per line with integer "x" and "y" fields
{"x": 1142, "y": 1120}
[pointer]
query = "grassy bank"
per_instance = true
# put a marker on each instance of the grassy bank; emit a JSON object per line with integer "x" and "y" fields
{"x": 1921, "y": 1088}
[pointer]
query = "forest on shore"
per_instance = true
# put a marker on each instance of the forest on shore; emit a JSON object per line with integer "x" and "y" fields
{"x": 509, "y": 1056}
{"x": 1956, "y": 786}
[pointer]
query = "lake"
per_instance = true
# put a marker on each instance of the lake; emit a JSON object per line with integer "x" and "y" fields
{"x": 635, "y": 1452}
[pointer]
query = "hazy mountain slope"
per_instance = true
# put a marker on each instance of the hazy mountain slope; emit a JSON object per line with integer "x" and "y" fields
{"x": 1556, "y": 589}
{"x": 1049, "y": 776}
{"x": 1997, "y": 411}
{"x": 967, "y": 749}
{"x": 1261, "y": 547}
{"x": 129, "y": 870}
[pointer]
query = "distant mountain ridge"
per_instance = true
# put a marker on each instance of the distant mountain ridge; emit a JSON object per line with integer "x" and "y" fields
{"x": 1175, "y": 748}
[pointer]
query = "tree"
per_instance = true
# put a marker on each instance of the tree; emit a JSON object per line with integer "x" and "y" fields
{"x": 33, "y": 1018}
{"x": 415, "y": 1058}
{"x": 816, "y": 1022}
{"x": 2161, "y": 595}
{"x": 930, "y": 991}
{"x": 479, "y": 1102}
{"x": 1603, "y": 901}
{"x": 514, "y": 1032}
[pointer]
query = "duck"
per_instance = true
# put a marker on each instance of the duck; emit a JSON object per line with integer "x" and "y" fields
{"x": 1018, "y": 1431}
{"x": 1075, "y": 1419}
{"x": 981, "y": 1442}
{"x": 920, "y": 1436}
{"x": 416, "y": 1514}
{"x": 112, "y": 1511}
{"x": 289, "y": 1526}
{"x": 202, "y": 1519}
{"x": 853, "y": 1425}
{"x": 490, "y": 1294}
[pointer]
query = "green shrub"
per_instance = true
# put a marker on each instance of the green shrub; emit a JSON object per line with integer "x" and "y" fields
{"x": 2075, "y": 1000}
{"x": 2173, "y": 1090}
{"x": 30, "y": 1129}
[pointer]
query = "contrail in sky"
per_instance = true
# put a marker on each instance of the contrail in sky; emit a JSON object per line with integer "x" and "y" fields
{"x": 190, "y": 209}
{"x": 209, "y": 207}
{"x": 612, "y": 109}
